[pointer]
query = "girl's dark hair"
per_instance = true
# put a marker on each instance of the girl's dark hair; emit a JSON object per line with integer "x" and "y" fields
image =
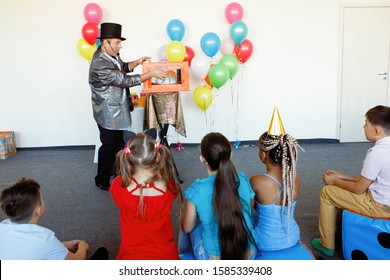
{"x": 380, "y": 115}
{"x": 19, "y": 201}
{"x": 233, "y": 235}
{"x": 142, "y": 151}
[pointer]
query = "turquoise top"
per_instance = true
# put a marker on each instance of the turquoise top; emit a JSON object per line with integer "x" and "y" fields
{"x": 273, "y": 231}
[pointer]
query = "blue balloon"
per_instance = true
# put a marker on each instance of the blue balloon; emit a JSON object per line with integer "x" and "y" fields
{"x": 210, "y": 44}
{"x": 238, "y": 32}
{"x": 175, "y": 30}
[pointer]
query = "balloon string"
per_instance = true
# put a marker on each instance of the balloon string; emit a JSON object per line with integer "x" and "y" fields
{"x": 205, "y": 117}
{"x": 238, "y": 87}
{"x": 213, "y": 104}
{"x": 234, "y": 109}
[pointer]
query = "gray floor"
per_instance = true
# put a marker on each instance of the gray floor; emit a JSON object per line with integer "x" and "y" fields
{"x": 76, "y": 209}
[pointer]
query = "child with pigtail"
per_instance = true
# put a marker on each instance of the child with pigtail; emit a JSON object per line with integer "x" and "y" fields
{"x": 277, "y": 190}
{"x": 144, "y": 191}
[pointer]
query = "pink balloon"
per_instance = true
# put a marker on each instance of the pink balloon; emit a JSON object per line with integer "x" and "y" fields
{"x": 227, "y": 46}
{"x": 233, "y": 12}
{"x": 93, "y": 13}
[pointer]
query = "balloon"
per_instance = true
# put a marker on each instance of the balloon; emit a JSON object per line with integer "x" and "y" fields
{"x": 231, "y": 62}
{"x": 203, "y": 97}
{"x": 200, "y": 66}
{"x": 207, "y": 80}
{"x": 210, "y": 43}
{"x": 227, "y": 46}
{"x": 244, "y": 51}
{"x": 175, "y": 30}
{"x": 189, "y": 55}
{"x": 93, "y": 13}
{"x": 86, "y": 50}
{"x": 175, "y": 51}
{"x": 90, "y": 32}
{"x": 162, "y": 53}
{"x": 218, "y": 75}
{"x": 238, "y": 31}
{"x": 233, "y": 12}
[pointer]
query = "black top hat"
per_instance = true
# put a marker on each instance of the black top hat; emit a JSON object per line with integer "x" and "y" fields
{"x": 111, "y": 30}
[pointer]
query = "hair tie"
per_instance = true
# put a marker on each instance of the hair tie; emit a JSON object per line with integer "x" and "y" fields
{"x": 157, "y": 146}
{"x": 127, "y": 150}
{"x": 222, "y": 154}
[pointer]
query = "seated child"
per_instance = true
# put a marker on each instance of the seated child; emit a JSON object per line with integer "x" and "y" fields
{"x": 277, "y": 190}
{"x": 21, "y": 238}
{"x": 277, "y": 193}
{"x": 144, "y": 191}
{"x": 222, "y": 202}
{"x": 367, "y": 193}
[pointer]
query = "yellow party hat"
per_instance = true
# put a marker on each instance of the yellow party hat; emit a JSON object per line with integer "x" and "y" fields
{"x": 276, "y": 126}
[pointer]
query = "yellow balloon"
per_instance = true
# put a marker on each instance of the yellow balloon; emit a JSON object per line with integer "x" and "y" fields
{"x": 203, "y": 97}
{"x": 175, "y": 51}
{"x": 85, "y": 49}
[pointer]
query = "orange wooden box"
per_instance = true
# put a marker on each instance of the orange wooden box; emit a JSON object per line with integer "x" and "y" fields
{"x": 177, "y": 74}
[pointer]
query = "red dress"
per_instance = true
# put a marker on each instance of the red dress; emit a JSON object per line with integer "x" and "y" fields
{"x": 150, "y": 237}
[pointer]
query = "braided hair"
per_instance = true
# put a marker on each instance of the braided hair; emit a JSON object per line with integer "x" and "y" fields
{"x": 283, "y": 150}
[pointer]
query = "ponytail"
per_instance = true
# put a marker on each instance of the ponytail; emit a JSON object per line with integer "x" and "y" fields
{"x": 233, "y": 235}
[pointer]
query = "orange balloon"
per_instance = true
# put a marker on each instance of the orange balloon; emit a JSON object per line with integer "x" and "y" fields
{"x": 207, "y": 80}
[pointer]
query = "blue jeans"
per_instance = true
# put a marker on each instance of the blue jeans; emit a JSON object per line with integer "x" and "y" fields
{"x": 193, "y": 242}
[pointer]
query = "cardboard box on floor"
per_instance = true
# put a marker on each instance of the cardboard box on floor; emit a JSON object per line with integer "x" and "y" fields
{"x": 7, "y": 144}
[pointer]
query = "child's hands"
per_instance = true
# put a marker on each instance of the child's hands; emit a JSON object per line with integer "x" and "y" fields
{"x": 73, "y": 245}
{"x": 332, "y": 172}
{"x": 329, "y": 177}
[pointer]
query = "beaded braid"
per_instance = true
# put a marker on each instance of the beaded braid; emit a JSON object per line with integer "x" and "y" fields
{"x": 283, "y": 150}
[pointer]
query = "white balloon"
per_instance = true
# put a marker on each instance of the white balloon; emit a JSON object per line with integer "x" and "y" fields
{"x": 227, "y": 46}
{"x": 200, "y": 66}
{"x": 162, "y": 53}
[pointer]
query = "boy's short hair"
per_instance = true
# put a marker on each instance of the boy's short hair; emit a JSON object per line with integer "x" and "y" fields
{"x": 380, "y": 115}
{"x": 19, "y": 200}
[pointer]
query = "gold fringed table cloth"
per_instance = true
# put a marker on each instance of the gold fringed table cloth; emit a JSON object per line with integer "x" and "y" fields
{"x": 164, "y": 108}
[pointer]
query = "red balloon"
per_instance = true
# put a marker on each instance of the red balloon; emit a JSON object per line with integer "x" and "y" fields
{"x": 189, "y": 55}
{"x": 90, "y": 32}
{"x": 244, "y": 51}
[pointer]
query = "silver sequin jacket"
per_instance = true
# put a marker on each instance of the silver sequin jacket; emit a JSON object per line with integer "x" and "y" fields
{"x": 110, "y": 102}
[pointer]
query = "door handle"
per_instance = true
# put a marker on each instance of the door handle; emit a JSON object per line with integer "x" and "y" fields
{"x": 382, "y": 73}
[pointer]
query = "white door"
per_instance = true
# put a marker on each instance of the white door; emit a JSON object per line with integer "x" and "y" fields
{"x": 365, "y": 67}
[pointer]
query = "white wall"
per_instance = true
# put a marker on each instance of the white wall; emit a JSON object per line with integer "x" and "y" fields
{"x": 44, "y": 92}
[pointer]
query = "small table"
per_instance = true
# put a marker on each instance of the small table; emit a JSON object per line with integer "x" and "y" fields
{"x": 162, "y": 110}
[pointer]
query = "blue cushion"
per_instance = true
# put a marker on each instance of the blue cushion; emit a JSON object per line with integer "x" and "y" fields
{"x": 365, "y": 238}
{"x": 298, "y": 252}
{"x": 187, "y": 256}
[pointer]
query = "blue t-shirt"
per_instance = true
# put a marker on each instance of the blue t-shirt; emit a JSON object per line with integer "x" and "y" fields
{"x": 29, "y": 242}
{"x": 201, "y": 193}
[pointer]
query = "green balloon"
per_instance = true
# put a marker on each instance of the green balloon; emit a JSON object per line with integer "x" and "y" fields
{"x": 218, "y": 75}
{"x": 231, "y": 62}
